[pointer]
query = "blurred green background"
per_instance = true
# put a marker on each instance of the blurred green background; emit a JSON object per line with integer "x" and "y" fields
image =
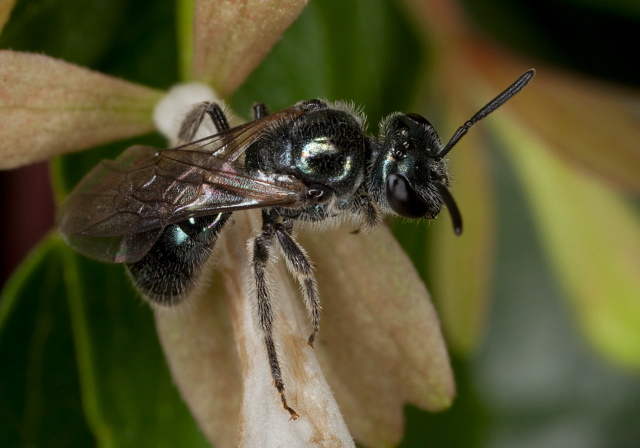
{"x": 77, "y": 349}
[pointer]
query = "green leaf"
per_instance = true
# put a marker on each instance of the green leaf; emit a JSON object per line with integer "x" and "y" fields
{"x": 73, "y": 30}
{"x": 40, "y": 394}
{"x": 184, "y": 21}
{"x": 92, "y": 356}
{"x": 592, "y": 236}
{"x": 131, "y": 40}
{"x": 129, "y": 396}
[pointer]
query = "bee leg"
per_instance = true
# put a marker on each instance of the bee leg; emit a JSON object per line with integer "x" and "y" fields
{"x": 261, "y": 249}
{"x": 260, "y": 111}
{"x": 193, "y": 120}
{"x": 301, "y": 268}
{"x": 218, "y": 116}
{"x": 364, "y": 206}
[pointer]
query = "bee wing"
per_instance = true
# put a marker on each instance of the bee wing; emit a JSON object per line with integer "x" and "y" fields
{"x": 116, "y": 249}
{"x": 123, "y": 205}
{"x": 231, "y": 144}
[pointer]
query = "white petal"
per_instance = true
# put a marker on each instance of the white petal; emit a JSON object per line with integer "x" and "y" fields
{"x": 263, "y": 420}
{"x": 175, "y": 104}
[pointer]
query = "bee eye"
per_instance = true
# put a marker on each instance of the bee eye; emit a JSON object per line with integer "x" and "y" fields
{"x": 403, "y": 199}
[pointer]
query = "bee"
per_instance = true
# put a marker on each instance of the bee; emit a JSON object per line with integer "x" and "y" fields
{"x": 160, "y": 211}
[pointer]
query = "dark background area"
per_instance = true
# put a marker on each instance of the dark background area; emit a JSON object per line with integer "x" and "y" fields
{"x": 27, "y": 213}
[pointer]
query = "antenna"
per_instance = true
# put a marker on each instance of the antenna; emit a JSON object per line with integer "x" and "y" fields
{"x": 498, "y": 101}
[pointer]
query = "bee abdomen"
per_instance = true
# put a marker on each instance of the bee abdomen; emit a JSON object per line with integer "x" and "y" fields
{"x": 169, "y": 271}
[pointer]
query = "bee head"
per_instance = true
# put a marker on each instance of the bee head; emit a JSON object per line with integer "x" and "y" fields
{"x": 408, "y": 176}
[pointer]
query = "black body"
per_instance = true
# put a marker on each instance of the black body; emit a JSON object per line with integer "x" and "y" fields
{"x": 325, "y": 149}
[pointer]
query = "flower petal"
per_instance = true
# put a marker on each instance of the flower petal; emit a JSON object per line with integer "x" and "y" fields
{"x": 172, "y": 108}
{"x": 593, "y": 238}
{"x": 49, "y": 107}
{"x": 380, "y": 344}
{"x": 6, "y": 6}
{"x": 263, "y": 420}
{"x": 232, "y": 38}
{"x": 462, "y": 305}
{"x": 199, "y": 346}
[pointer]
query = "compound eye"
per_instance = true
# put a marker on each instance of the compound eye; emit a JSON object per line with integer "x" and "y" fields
{"x": 403, "y": 199}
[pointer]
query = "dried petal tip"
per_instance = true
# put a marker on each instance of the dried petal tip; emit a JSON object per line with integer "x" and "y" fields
{"x": 50, "y": 107}
{"x": 232, "y": 38}
{"x": 171, "y": 109}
